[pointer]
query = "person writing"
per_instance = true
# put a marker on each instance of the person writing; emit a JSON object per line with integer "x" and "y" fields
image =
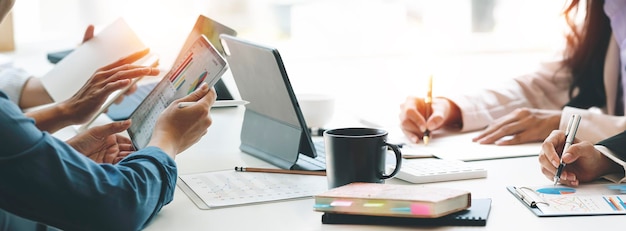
{"x": 527, "y": 108}
{"x": 584, "y": 161}
{"x": 95, "y": 181}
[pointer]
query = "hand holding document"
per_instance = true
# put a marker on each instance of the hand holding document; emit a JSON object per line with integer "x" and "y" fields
{"x": 149, "y": 60}
{"x": 73, "y": 71}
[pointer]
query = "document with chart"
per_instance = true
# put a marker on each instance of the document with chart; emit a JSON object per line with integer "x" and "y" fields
{"x": 200, "y": 63}
{"x": 559, "y": 200}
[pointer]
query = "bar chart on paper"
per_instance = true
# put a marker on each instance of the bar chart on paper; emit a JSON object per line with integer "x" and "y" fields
{"x": 589, "y": 199}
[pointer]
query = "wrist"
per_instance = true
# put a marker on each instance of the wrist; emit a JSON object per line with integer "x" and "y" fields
{"x": 163, "y": 141}
{"x": 65, "y": 113}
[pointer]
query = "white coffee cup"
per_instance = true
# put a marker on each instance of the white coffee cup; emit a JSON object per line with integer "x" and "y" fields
{"x": 317, "y": 109}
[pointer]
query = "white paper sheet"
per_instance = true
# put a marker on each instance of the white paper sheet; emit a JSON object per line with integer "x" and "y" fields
{"x": 228, "y": 188}
{"x": 114, "y": 42}
{"x": 460, "y": 146}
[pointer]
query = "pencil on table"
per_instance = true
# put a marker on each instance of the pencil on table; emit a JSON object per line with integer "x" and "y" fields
{"x": 271, "y": 170}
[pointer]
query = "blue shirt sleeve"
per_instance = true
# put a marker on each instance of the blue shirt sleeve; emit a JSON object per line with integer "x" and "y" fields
{"x": 46, "y": 180}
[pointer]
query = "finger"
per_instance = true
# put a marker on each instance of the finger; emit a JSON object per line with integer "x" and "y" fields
{"x": 572, "y": 153}
{"x": 117, "y": 160}
{"x": 88, "y": 33}
{"x": 504, "y": 130}
{"x": 435, "y": 121}
{"x": 123, "y": 140}
{"x": 547, "y": 173}
{"x": 410, "y": 125}
{"x": 126, "y": 60}
{"x": 546, "y": 165}
{"x": 126, "y": 147}
{"x": 497, "y": 124}
{"x": 440, "y": 112}
{"x": 131, "y": 90}
{"x": 518, "y": 138}
{"x": 550, "y": 144}
{"x": 196, "y": 95}
{"x": 125, "y": 153}
{"x": 209, "y": 98}
{"x": 129, "y": 72}
{"x": 100, "y": 132}
{"x": 412, "y": 136}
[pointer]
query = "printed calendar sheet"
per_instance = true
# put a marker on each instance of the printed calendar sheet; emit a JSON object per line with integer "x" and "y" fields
{"x": 228, "y": 188}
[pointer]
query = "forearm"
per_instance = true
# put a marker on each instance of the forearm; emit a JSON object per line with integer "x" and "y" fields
{"x": 547, "y": 88}
{"x": 51, "y": 119}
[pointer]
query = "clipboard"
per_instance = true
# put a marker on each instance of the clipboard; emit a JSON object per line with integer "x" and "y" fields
{"x": 585, "y": 200}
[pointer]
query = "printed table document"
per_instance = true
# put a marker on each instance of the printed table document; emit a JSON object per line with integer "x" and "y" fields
{"x": 227, "y": 188}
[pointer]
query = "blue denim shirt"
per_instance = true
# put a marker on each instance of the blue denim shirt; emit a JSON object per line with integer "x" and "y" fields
{"x": 45, "y": 180}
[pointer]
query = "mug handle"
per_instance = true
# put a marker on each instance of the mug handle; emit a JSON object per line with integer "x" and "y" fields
{"x": 398, "y": 161}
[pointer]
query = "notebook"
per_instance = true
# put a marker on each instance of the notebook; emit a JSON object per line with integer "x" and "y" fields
{"x": 273, "y": 126}
{"x": 476, "y": 215}
{"x": 204, "y": 25}
{"x": 200, "y": 63}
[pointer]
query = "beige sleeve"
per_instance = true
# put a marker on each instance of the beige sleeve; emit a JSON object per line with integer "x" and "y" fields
{"x": 594, "y": 125}
{"x": 547, "y": 88}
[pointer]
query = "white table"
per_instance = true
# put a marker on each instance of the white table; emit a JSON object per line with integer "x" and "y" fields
{"x": 218, "y": 150}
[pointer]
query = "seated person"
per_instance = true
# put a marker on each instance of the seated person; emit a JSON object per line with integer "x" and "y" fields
{"x": 529, "y": 107}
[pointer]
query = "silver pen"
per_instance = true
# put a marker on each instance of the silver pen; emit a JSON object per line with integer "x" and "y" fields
{"x": 570, "y": 135}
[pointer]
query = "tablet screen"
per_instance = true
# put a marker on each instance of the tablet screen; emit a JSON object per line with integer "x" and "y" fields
{"x": 200, "y": 63}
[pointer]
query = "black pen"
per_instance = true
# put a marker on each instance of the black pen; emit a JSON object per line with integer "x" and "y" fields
{"x": 428, "y": 101}
{"x": 570, "y": 134}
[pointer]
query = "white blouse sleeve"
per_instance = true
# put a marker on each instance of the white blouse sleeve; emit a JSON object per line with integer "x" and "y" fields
{"x": 12, "y": 81}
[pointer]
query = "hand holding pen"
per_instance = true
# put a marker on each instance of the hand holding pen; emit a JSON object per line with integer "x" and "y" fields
{"x": 419, "y": 117}
{"x": 570, "y": 135}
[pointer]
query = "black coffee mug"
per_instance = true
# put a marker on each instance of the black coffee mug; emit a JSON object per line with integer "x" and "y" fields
{"x": 357, "y": 155}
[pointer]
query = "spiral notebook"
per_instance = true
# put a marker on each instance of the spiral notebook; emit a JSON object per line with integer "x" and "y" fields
{"x": 476, "y": 215}
{"x": 584, "y": 200}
